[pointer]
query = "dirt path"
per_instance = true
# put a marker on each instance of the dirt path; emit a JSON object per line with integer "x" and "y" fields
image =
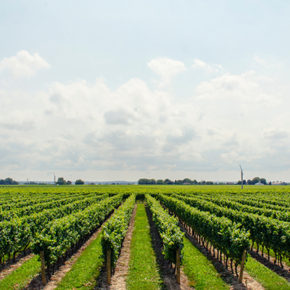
{"x": 167, "y": 273}
{"x": 6, "y": 271}
{"x": 122, "y": 266}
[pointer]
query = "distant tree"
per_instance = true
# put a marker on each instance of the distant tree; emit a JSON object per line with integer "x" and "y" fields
{"x": 256, "y": 180}
{"x": 209, "y": 183}
{"x": 240, "y": 182}
{"x": 61, "y": 181}
{"x": 179, "y": 181}
{"x": 69, "y": 182}
{"x": 79, "y": 182}
{"x": 168, "y": 181}
{"x": 142, "y": 181}
{"x": 187, "y": 181}
{"x": 8, "y": 181}
{"x": 146, "y": 181}
{"x": 159, "y": 181}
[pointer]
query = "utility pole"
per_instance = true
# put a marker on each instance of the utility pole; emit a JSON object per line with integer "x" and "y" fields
{"x": 54, "y": 180}
{"x": 242, "y": 177}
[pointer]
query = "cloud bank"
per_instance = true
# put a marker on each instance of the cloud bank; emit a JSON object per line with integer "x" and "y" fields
{"x": 88, "y": 129}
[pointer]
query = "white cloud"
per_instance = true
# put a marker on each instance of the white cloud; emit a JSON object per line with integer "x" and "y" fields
{"x": 23, "y": 64}
{"x": 82, "y": 126}
{"x": 166, "y": 68}
{"x": 209, "y": 68}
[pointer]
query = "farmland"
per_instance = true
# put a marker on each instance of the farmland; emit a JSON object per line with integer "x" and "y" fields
{"x": 202, "y": 237}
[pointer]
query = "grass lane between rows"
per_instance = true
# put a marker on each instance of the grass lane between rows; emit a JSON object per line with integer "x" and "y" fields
{"x": 143, "y": 268}
{"x": 20, "y": 277}
{"x": 265, "y": 276}
{"x": 85, "y": 271}
{"x": 199, "y": 270}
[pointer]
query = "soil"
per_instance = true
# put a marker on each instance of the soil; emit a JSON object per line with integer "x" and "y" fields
{"x": 12, "y": 267}
{"x": 166, "y": 271}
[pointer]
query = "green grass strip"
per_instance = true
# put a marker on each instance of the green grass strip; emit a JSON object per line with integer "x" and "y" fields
{"x": 20, "y": 277}
{"x": 86, "y": 269}
{"x": 143, "y": 269}
{"x": 268, "y": 278}
{"x": 199, "y": 270}
{"x": 272, "y": 254}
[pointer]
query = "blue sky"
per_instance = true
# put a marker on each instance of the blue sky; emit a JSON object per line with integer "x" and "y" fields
{"x": 122, "y": 89}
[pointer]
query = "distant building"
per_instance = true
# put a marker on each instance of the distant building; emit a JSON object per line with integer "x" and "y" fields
{"x": 259, "y": 183}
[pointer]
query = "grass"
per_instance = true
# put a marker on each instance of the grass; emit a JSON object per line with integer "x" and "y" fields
{"x": 86, "y": 269}
{"x": 22, "y": 275}
{"x": 272, "y": 254}
{"x": 199, "y": 270}
{"x": 268, "y": 278}
{"x": 143, "y": 269}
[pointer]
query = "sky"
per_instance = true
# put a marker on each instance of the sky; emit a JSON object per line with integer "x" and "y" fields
{"x": 119, "y": 90}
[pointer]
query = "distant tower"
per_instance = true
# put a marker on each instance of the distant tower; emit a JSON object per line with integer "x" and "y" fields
{"x": 54, "y": 179}
{"x": 242, "y": 177}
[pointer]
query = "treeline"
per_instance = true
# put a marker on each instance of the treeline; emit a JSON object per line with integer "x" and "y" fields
{"x": 8, "y": 181}
{"x": 188, "y": 181}
{"x": 255, "y": 180}
{"x": 168, "y": 181}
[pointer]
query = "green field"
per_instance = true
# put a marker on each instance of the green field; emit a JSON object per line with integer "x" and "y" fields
{"x": 57, "y": 220}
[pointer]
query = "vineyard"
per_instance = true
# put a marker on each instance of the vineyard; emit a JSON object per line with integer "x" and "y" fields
{"x": 144, "y": 237}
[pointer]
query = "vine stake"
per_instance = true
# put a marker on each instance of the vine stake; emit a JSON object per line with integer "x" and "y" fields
{"x": 242, "y": 266}
{"x": 178, "y": 266}
{"x": 43, "y": 275}
{"x": 109, "y": 266}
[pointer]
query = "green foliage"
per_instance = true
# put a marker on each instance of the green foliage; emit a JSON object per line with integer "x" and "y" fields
{"x": 116, "y": 228}
{"x": 58, "y": 236}
{"x": 19, "y": 232}
{"x": 79, "y": 182}
{"x": 271, "y": 233}
{"x": 8, "y": 181}
{"x": 168, "y": 228}
{"x": 61, "y": 181}
{"x": 219, "y": 231}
